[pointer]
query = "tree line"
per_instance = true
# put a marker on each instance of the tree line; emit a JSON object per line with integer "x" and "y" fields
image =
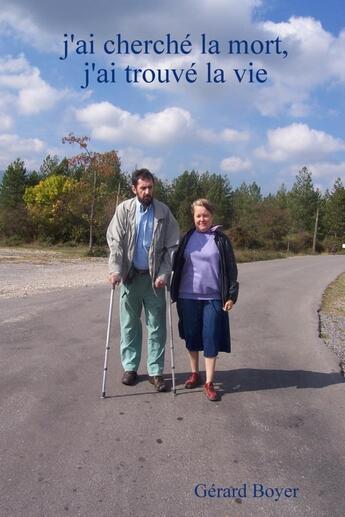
{"x": 72, "y": 201}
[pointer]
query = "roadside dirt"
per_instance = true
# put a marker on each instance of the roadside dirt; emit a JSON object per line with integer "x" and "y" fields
{"x": 24, "y": 272}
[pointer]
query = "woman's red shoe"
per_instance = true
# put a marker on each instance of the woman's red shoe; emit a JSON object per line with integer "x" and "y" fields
{"x": 193, "y": 381}
{"x": 210, "y": 392}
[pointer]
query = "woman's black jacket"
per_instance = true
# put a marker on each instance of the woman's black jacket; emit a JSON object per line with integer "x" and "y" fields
{"x": 228, "y": 270}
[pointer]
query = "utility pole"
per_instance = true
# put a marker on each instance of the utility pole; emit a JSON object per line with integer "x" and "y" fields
{"x": 315, "y": 229}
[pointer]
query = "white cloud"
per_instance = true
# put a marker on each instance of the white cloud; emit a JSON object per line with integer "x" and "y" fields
{"x": 226, "y": 135}
{"x": 232, "y": 135}
{"x": 337, "y": 55}
{"x": 6, "y": 122}
{"x": 31, "y": 93}
{"x": 12, "y": 147}
{"x": 132, "y": 158}
{"x": 328, "y": 169}
{"x": 235, "y": 164}
{"x": 324, "y": 173}
{"x": 280, "y": 96}
{"x": 39, "y": 97}
{"x": 17, "y": 20}
{"x": 12, "y": 142}
{"x": 315, "y": 55}
{"x": 315, "y": 58}
{"x": 314, "y": 64}
{"x": 305, "y": 32}
{"x": 43, "y": 23}
{"x": 110, "y": 123}
{"x": 298, "y": 141}
{"x": 208, "y": 135}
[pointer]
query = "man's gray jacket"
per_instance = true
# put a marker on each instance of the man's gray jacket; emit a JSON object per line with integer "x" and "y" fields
{"x": 121, "y": 237}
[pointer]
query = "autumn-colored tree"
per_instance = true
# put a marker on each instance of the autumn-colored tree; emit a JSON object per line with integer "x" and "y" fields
{"x": 51, "y": 205}
{"x": 101, "y": 176}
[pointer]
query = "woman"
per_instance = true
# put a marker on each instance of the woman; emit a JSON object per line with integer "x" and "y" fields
{"x": 205, "y": 287}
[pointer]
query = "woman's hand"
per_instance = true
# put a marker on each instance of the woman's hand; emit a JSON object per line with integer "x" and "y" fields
{"x": 228, "y": 305}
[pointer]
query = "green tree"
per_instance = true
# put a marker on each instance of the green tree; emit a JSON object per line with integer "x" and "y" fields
{"x": 52, "y": 165}
{"x": 304, "y": 201}
{"x": 13, "y": 185}
{"x": 217, "y": 189}
{"x": 273, "y": 222}
{"x": 281, "y": 198}
{"x": 185, "y": 189}
{"x": 14, "y": 221}
{"x": 245, "y": 229}
{"x": 162, "y": 190}
{"x": 335, "y": 211}
{"x": 192, "y": 185}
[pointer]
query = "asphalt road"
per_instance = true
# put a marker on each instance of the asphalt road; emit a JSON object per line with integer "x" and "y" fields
{"x": 274, "y": 444}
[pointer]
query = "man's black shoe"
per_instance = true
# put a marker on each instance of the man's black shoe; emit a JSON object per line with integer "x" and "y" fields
{"x": 158, "y": 382}
{"x": 129, "y": 378}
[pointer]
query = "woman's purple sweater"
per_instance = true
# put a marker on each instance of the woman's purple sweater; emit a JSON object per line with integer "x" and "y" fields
{"x": 200, "y": 276}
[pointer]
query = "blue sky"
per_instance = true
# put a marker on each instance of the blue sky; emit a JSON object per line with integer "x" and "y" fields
{"x": 263, "y": 132}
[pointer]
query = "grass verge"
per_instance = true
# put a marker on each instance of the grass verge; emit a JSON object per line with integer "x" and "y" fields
{"x": 255, "y": 255}
{"x": 333, "y": 300}
{"x": 77, "y": 251}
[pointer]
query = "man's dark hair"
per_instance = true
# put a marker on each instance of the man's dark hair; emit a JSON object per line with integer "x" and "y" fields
{"x": 143, "y": 174}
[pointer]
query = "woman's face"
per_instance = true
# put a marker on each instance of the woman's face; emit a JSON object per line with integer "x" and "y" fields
{"x": 203, "y": 219}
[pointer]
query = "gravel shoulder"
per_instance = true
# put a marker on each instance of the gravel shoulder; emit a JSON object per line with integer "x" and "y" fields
{"x": 25, "y": 272}
{"x": 332, "y": 318}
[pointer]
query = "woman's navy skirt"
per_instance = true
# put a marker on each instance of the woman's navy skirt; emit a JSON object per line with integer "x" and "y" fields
{"x": 204, "y": 326}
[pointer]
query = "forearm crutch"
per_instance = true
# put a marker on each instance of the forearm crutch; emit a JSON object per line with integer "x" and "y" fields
{"x": 171, "y": 344}
{"x": 107, "y": 346}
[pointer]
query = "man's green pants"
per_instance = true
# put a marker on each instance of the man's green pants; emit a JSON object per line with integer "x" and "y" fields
{"x": 139, "y": 293}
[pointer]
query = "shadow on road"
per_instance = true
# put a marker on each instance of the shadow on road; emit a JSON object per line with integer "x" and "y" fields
{"x": 250, "y": 379}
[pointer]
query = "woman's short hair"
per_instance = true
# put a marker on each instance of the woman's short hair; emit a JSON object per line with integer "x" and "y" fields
{"x": 204, "y": 203}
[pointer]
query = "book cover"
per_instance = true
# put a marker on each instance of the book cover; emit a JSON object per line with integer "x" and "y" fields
{"x": 249, "y": 91}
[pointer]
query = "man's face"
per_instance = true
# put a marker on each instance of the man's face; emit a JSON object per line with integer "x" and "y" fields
{"x": 144, "y": 191}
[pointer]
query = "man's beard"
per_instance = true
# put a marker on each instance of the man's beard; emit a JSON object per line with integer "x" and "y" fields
{"x": 146, "y": 201}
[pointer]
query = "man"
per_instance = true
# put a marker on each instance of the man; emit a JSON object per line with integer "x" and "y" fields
{"x": 142, "y": 237}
